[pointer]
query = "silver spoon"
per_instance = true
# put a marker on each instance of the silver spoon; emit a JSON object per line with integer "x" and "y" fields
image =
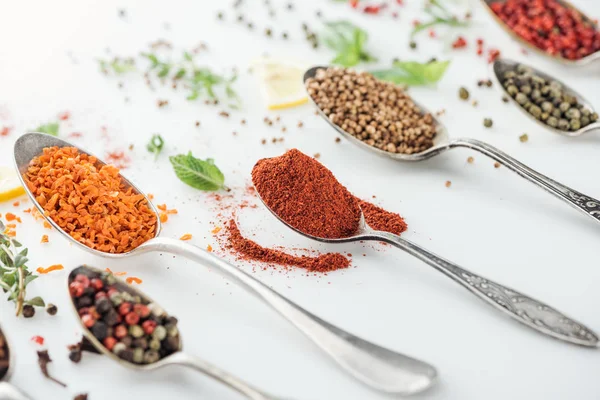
{"x": 522, "y": 308}
{"x": 582, "y": 61}
{"x": 8, "y": 391}
{"x": 375, "y": 366}
{"x": 177, "y": 358}
{"x": 500, "y": 66}
{"x": 586, "y": 204}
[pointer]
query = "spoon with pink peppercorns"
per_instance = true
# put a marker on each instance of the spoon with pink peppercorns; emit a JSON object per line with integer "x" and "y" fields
{"x": 124, "y": 324}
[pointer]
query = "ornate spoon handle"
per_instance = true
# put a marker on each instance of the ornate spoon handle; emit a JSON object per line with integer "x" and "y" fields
{"x": 374, "y": 365}
{"x": 586, "y": 204}
{"x": 521, "y": 307}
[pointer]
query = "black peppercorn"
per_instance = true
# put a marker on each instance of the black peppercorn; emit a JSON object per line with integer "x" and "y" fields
{"x": 487, "y": 122}
{"x": 51, "y": 309}
{"x": 171, "y": 343}
{"x": 126, "y": 355}
{"x": 103, "y": 305}
{"x": 99, "y": 330}
{"x": 111, "y": 318}
{"x": 75, "y": 354}
{"x": 28, "y": 311}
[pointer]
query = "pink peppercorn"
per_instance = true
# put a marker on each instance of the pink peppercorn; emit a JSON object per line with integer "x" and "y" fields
{"x": 110, "y": 342}
{"x": 142, "y": 310}
{"x": 132, "y": 318}
{"x": 97, "y": 284}
{"x": 120, "y": 331}
{"x": 88, "y": 320}
{"x": 149, "y": 326}
{"x": 84, "y": 280}
{"x": 124, "y": 308}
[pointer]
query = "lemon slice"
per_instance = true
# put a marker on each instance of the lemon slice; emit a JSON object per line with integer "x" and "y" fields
{"x": 10, "y": 185}
{"x": 281, "y": 83}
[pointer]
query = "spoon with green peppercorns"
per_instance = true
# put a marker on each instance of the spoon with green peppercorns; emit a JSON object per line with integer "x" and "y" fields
{"x": 124, "y": 324}
{"x": 545, "y": 99}
{"x": 7, "y": 359}
{"x": 346, "y": 103}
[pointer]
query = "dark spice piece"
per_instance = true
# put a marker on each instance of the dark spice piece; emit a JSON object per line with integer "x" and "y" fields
{"x": 82, "y": 396}
{"x": 28, "y": 311}
{"x": 51, "y": 309}
{"x": 43, "y": 361}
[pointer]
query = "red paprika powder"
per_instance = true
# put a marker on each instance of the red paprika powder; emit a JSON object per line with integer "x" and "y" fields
{"x": 250, "y": 249}
{"x": 306, "y": 195}
{"x": 382, "y": 220}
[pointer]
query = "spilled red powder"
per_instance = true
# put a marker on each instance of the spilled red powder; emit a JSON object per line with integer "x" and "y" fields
{"x": 118, "y": 158}
{"x": 38, "y": 339}
{"x": 382, "y": 220}
{"x": 249, "y": 249}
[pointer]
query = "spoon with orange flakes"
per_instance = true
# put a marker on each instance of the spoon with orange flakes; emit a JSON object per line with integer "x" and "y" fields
{"x": 116, "y": 220}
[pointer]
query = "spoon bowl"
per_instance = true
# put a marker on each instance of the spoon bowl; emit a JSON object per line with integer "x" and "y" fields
{"x": 376, "y": 366}
{"x": 590, "y": 58}
{"x": 582, "y": 202}
{"x": 502, "y": 65}
{"x": 176, "y": 358}
{"x": 524, "y": 309}
{"x": 8, "y": 391}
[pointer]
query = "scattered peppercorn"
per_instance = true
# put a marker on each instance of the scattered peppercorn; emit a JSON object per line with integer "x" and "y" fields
{"x": 470, "y": 160}
{"x": 412, "y": 44}
{"x": 224, "y": 114}
{"x": 487, "y": 122}
{"x": 505, "y": 99}
{"x": 220, "y": 15}
{"x": 300, "y": 124}
{"x": 524, "y": 138}
{"x": 463, "y": 93}
{"x": 81, "y": 396}
{"x": 197, "y": 123}
{"x": 28, "y": 311}
{"x": 51, "y": 309}
{"x": 337, "y": 140}
{"x": 268, "y": 32}
{"x": 496, "y": 165}
{"x": 448, "y": 184}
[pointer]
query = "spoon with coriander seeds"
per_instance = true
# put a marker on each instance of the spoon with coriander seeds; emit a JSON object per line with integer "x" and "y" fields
{"x": 545, "y": 99}
{"x": 304, "y": 195}
{"x": 380, "y": 117}
{"x": 127, "y": 326}
{"x": 7, "y": 360}
{"x": 78, "y": 194}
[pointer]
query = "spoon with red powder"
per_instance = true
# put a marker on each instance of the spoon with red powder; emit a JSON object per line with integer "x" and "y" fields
{"x": 374, "y": 365}
{"x": 306, "y": 196}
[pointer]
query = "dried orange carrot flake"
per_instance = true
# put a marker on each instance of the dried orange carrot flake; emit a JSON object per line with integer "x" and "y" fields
{"x": 11, "y": 225}
{"x": 162, "y": 207}
{"x": 10, "y": 216}
{"x": 89, "y": 200}
{"x": 216, "y": 230}
{"x": 133, "y": 279}
{"x": 209, "y": 248}
{"x": 187, "y": 236}
{"x": 163, "y": 217}
{"x": 150, "y": 196}
{"x": 56, "y": 267}
{"x": 173, "y": 211}
{"x": 16, "y": 203}
{"x": 120, "y": 273}
{"x": 47, "y": 225}
{"x": 10, "y": 233}
{"x": 44, "y": 239}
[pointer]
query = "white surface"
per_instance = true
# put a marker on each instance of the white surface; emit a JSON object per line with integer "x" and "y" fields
{"x": 490, "y": 220}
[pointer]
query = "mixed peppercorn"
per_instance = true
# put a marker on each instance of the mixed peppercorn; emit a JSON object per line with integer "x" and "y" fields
{"x": 550, "y": 26}
{"x": 125, "y": 323}
{"x": 546, "y": 100}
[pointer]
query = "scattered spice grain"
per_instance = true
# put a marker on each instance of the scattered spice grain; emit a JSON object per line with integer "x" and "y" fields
{"x": 448, "y": 184}
{"x": 524, "y": 138}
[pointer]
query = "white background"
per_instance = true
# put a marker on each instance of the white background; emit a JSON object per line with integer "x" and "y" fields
{"x": 490, "y": 220}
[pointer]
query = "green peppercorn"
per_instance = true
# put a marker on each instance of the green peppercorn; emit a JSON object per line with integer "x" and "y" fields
{"x": 521, "y": 98}
{"x": 512, "y": 90}
{"x": 594, "y": 117}
{"x": 160, "y": 332}
{"x": 119, "y": 347}
{"x": 487, "y": 122}
{"x": 585, "y": 112}
{"x": 151, "y": 356}
{"x": 526, "y": 89}
{"x": 536, "y": 94}
{"x": 508, "y": 82}
{"x": 557, "y": 113}
{"x": 547, "y": 106}
{"x": 564, "y": 106}
{"x": 570, "y": 99}
{"x": 116, "y": 298}
{"x": 555, "y": 85}
{"x": 573, "y": 113}
{"x": 545, "y": 90}
{"x": 552, "y": 122}
{"x": 463, "y": 93}
{"x": 535, "y": 111}
{"x": 555, "y": 94}
{"x": 585, "y": 121}
{"x": 563, "y": 124}
{"x": 413, "y": 44}
{"x": 154, "y": 344}
{"x": 523, "y": 69}
{"x": 174, "y": 331}
{"x": 136, "y": 331}
{"x": 574, "y": 124}
{"x": 138, "y": 356}
{"x": 544, "y": 116}
{"x": 509, "y": 74}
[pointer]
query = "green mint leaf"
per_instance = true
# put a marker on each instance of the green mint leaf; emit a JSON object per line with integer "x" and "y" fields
{"x": 36, "y": 302}
{"x": 50, "y": 128}
{"x": 413, "y": 73}
{"x": 155, "y": 145}
{"x": 348, "y": 41}
{"x": 199, "y": 174}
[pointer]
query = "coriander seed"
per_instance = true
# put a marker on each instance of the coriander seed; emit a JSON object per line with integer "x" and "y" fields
{"x": 463, "y": 93}
{"x": 487, "y": 122}
{"x": 524, "y": 138}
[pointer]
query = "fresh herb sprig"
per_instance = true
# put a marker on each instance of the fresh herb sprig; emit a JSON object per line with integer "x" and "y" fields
{"x": 199, "y": 81}
{"x": 349, "y": 41}
{"x": 199, "y": 174}
{"x": 155, "y": 145}
{"x": 14, "y": 274}
{"x": 117, "y": 65}
{"x": 440, "y": 16}
{"x": 51, "y": 128}
{"x": 413, "y": 73}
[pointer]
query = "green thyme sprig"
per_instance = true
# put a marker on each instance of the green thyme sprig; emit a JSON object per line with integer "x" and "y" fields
{"x": 155, "y": 145}
{"x": 440, "y": 16}
{"x": 117, "y": 65}
{"x": 14, "y": 274}
{"x": 349, "y": 41}
{"x": 199, "y": 81}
